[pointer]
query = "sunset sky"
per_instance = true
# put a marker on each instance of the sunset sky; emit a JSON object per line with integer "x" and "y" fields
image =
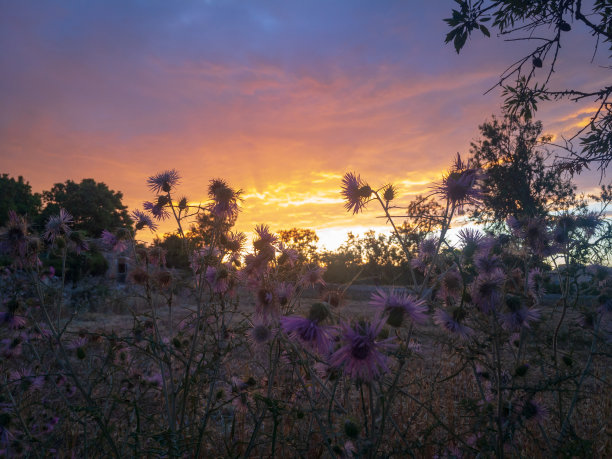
{"x": 280, "y": 98}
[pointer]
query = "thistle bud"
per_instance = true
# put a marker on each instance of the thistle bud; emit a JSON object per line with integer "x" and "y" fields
{"x": 351, "y": 428}
{"x": 537, "y": 62}
{"x": 564, "y": 26}
{"x": 365, "y": 191}
{"x": 396, "y": 317}
{"x": 521, "y": 370}
{"x": 318, "y": 312}
{"x": 389, "y": 193}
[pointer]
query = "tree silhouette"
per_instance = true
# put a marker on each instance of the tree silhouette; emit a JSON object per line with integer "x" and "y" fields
{"x": 527, "y": 81}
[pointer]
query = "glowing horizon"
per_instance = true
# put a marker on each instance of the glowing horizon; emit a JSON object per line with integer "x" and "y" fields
{"x": 280, "y": 99}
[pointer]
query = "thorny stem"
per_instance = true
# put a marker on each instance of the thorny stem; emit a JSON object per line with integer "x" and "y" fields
{"x": 398, "y": 236}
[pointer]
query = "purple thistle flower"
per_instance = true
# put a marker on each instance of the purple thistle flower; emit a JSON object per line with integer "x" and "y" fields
{"x": 361, "y": 355}
{"x": 163, "y": 181}
{"x": 15, "y": 237}
{"x": 12, "y": 320}
{"x": 428, "y": 247}
{"x": 452, "y": 323}
{"x": 142, "y": 220}
{"x": 356, "y": 193}
{"x": 487, "y": 263}
{"x": 459, "y": 185}
{"x": 158, "y": 210}
{"x": 264, "y": 234}
{"x": 589, "y": 223}
{"x": 219, "y": 278}
{"x": 534, "y": 411}
{"x": 486, "y": 290}
{"x": 308, "y": 331}
{"x": 58, "y": 225}
{"x": 535, "y": 283}
{"x": 225, "y": 200}
{"x": 284, "y": 293}
{"x": 519, "y": 315}
{"x": 112, "y": 242}
{"x": 313, "y": 276}
{"x": 470, "y": 237}
{"x": 514, "y": 225}
{"x": 260, "y": 335}
{"x": 288, "y": 256}
{"x": 234, "y": 242}
{"x": 398, "y": 305}
{"x": 78, "y": 342}
{"x": 78, "y": 242}
{"x": 451, "y": 285}
{"x": 266, "y": 306}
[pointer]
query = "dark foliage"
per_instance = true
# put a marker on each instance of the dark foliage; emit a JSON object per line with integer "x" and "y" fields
{"x": 517, "y": 181}
{"x": 93, "y": 206}
{"x": 17, "y": 195}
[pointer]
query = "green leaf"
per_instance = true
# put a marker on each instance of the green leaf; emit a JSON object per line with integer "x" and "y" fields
{"x": 450, "y": 35}
{"x": 484, "y": 30}
{"x": 460, "y": 40}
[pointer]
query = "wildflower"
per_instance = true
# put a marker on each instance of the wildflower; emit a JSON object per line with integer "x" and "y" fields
{"x": 284, "y": 293}
{"x": 459, "y": 186}
{"x": 470, "y": 239}
{"x": 486, "y": 290}
{"x": 535, "y": 283}
{"x": 163, "y": 181}
{"x": 218, "y": 278}
{"x": 355, "y": 192}
{"x": 452, "y": 323}
{"x": 399, "y": 305}
{"x": 12, "y": 320}
{"x": 515, "y": 225}
{"x": 313, "y": 276}
{"x": 234, "y": 242}
{"x": 158, "y": 210}
{"x": 265, "y": 236}
{"x": 361, "y": 355}
{"x": 78, "y": 242}
{"x": 10, "y": 347}
{"x": 259, "y": 335}
{"x": 534, "y": 233}
{"x": 112, "y": 242}
{"x": 139, "y": 276}
{"x": 389, "y": 193}
{"x": 589, "y": 223}
{"x": 154, "y": 378}
{"x": 288, "y": 256}
{"x": 266, "y": 305}
{"x": 534, "y": 411}
{"x": 451, "y": 285}
{"x": 428, "y": 247}
{"x": 519, "y": 315}
{"x": 142, "y": 220}
{"x": 225, "y": 200}
{"x": 57, "y": 225}
{"x": 427, "y": 250}
{"x": 309, "y": 332}
{"x": 163, "y": 279}
{"x": 15, "y": 237}
{"x": 487, "y": 263}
